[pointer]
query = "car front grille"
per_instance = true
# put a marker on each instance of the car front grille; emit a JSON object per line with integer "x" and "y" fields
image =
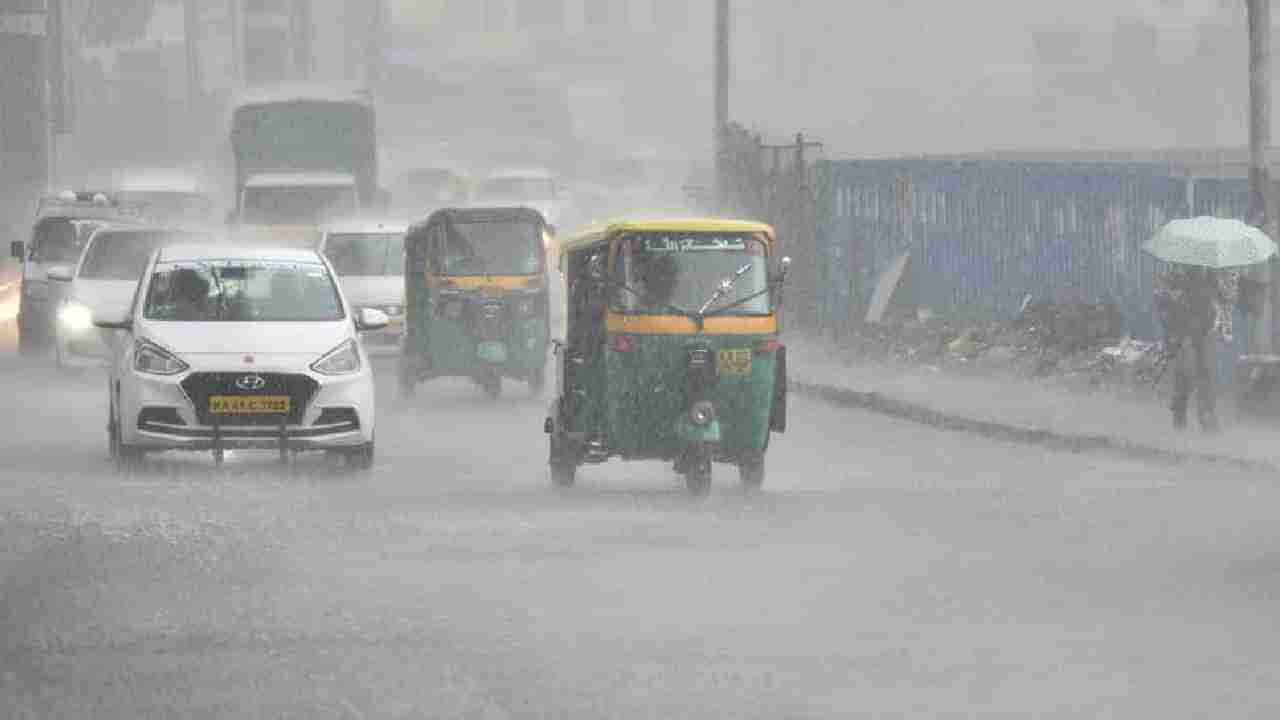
{"x": 199, "y": 387}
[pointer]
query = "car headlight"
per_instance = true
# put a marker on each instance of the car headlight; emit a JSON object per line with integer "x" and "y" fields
{"x": 75, "y": 317}
{"x": 152, "y": 359}
{"x": 702, "y": 413}
{"x": 342, "y": 360}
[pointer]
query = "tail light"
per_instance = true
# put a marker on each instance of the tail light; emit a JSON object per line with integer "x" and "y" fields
{"x": 767, "y": 347}
{"x": 623, "y": 343}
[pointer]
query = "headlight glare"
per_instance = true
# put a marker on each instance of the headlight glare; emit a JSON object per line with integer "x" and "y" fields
{"x": 75, "y": 317}
{"x": 342, "y": 360}
{"x": 154, "y": 360}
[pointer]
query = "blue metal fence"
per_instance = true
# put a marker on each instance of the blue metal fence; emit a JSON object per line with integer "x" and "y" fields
{"x": 983, "y": 235}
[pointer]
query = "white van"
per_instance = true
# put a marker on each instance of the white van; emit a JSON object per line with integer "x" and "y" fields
{"x": 62, "y": 226}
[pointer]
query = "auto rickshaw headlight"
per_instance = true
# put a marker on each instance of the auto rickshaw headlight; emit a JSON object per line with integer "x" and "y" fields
{"x": 702, "y": 413}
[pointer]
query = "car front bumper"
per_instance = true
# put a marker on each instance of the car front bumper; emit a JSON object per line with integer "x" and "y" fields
{"x": 156, "y": 413}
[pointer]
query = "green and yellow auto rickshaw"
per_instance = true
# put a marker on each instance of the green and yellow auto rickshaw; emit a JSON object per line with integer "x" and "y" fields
{"x": 476, "y": 298}
{"x": 671, "y": 349}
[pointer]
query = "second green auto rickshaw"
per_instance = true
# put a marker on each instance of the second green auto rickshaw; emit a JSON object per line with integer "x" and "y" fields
{"x": 476, "y": 298}
{"x": 670, "y": 350}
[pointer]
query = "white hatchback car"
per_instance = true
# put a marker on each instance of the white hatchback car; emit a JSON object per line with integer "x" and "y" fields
{"x": 241, "y": 348}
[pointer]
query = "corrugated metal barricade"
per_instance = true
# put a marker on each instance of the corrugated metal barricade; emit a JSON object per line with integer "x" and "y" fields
{"x": 985, "y": 234}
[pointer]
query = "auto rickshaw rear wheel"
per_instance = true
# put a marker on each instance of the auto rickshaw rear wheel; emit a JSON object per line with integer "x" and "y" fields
{"x": 564, "y": 470}
{"x": 538, "y": 382}
{"x": 407, "y": 379}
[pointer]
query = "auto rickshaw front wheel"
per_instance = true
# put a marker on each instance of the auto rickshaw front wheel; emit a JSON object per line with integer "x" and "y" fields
{"x": 491, "y": 383}
{"x": 697, "y": 478}
{"x": 407, "y": 379}
{"x": 751, "y": 471}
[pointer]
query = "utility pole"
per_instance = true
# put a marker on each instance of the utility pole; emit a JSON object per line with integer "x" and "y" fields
{"x": 1261, "y": 196}
{"x": 195, "y": 75}
{"x": 24, "y": 102}
{"x": 721, "y": 135}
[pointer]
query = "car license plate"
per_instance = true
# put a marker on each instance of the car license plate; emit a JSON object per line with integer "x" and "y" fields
{"x": 249, "y": 405}
{"x": 734, "y": 362}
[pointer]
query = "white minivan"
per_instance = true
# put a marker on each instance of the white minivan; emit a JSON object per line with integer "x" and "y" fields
{"x": 368, "y": 257}
{"x": 104, "y": 281}
{"x": 241, "y": 348}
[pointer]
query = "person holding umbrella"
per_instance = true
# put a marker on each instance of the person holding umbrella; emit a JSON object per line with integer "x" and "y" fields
{"x": 1195, "y": 298}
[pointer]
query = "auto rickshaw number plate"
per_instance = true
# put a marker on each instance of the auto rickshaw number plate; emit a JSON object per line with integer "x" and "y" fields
{"x": 252, "y": 405}
{"x": 734, "y": 362}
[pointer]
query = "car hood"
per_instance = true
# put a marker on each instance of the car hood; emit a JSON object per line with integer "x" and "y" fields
{"x": 373, "y": 291}
{"x": 108, "y": 298}
{"x": 311, "y": 339}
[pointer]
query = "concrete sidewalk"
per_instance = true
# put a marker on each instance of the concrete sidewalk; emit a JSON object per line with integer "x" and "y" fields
{"x": 1026, "y": 408}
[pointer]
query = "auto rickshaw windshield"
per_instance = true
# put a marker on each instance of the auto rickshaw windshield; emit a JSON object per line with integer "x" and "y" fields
{"x": 493, "y": 248}
{"x": 656, "y": 272}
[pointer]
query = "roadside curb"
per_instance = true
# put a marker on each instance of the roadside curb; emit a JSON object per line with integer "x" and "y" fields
{"x": 1075, "y": 443}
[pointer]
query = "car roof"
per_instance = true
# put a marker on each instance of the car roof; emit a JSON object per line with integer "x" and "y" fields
{"x": 302, "y": 92}
{"x": 593, "y": 235}
{"x": 482, "y": 214}
{"x": 529, "y": 173}
{"x": 192, "y": 253}
{"x": 300, "y": 179}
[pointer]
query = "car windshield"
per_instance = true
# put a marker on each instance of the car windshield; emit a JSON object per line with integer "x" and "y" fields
{"x": 517, "y": 187}
{"x": 660, "y": 271}
{"x": 492, "y": 248}
{"x": 59, "y": 241}
{"x": 366, "y": 254}
{"x": 297, "y": 205}
{"x": 123, "y": 255}
{"x": 243, "y": 291}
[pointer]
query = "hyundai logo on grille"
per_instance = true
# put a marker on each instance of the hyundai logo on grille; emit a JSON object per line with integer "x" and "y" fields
{"x": 251, "y": 382}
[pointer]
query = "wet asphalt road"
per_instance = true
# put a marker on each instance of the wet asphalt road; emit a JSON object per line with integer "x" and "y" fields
{"x": 887, "y": 571}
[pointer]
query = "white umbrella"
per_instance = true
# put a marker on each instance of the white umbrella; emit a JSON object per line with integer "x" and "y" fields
{"x": 1211, "y": 242}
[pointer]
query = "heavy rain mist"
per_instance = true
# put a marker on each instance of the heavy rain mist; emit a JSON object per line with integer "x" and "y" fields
{"x": 637, "y": 359}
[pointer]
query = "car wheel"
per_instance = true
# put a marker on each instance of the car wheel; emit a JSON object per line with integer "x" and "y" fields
{"x": 31, "y": 342}
{"x": 113, "y": 437}
{"x": 362, "y": 458}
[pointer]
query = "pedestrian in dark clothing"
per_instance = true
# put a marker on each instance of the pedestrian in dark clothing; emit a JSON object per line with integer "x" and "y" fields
{"x": 1195, "y": 305}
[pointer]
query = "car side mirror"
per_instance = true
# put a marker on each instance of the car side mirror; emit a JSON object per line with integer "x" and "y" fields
{"x": 113, "y": 323}
{"x": 61, "y": 273}
{"x": 18, "y": 250}
{"x": 371, "y": 319}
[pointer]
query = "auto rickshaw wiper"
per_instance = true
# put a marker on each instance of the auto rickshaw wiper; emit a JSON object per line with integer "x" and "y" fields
{"x": 738, "y": 303}
{"x": 724, "y": 288}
